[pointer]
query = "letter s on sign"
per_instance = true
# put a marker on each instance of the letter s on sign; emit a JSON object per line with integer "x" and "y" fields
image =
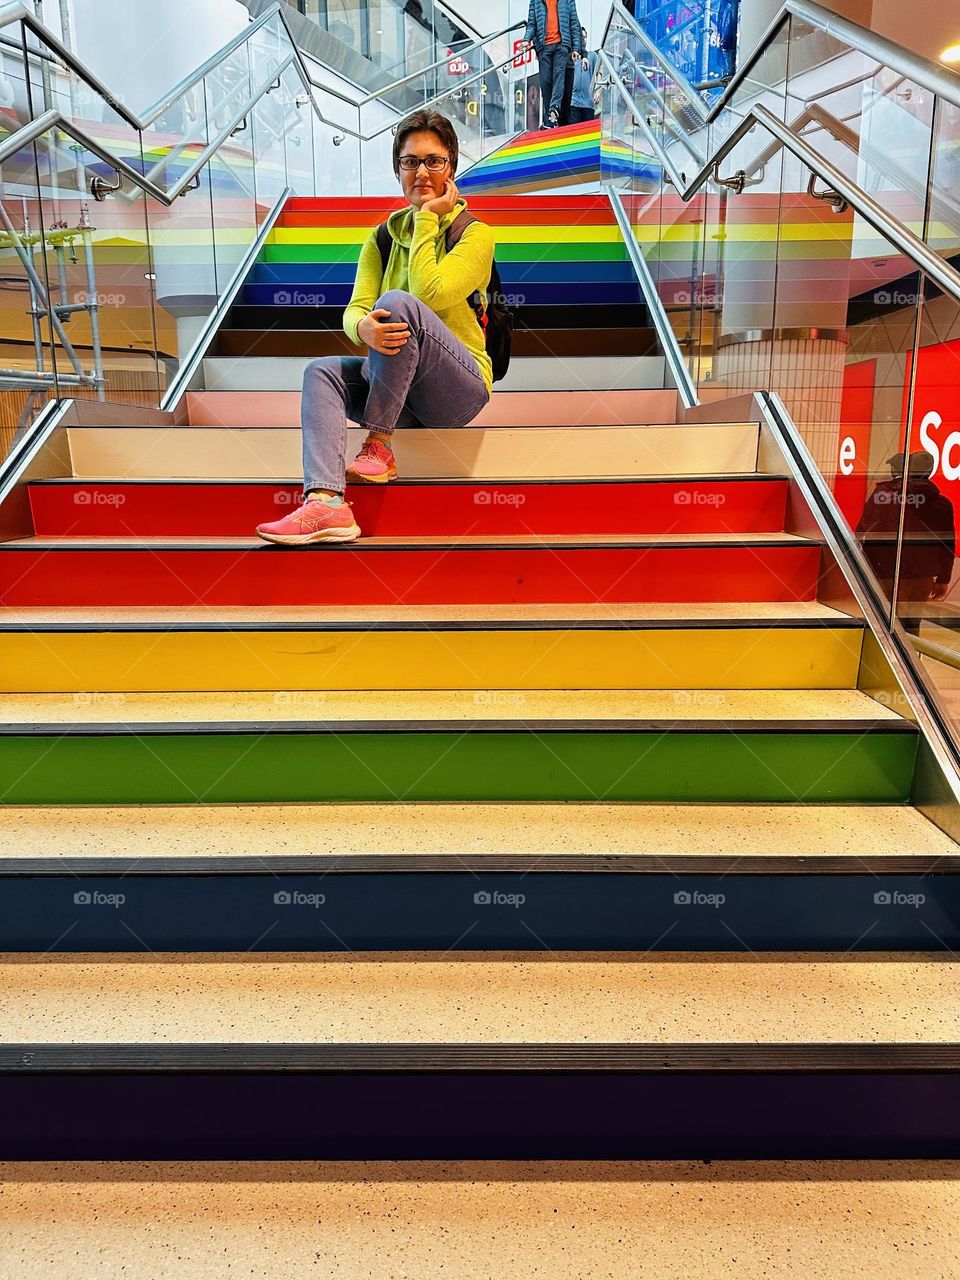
{"x": 848, "y": 452}
{"x": 931, "y": 420}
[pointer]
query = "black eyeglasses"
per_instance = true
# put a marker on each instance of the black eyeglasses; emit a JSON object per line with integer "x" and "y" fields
{"x": 434, "y": 163}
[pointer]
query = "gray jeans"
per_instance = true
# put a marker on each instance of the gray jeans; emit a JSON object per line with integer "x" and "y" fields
{"x": 432, "y": 381}
{"x": 553, "y": 60}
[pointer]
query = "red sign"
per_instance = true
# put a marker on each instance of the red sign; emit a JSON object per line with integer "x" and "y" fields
{"x": 936, "y": 414}
{"x": 458, "y": 66}
{"x": 521, "y": 59}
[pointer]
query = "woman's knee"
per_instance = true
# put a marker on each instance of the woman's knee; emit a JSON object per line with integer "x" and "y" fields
{"x": 321, "y": 365}
{"x": 395, "y": 300}
{"x": 320, "y": 370}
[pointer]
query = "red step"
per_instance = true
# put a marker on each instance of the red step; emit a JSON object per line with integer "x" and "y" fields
{"x": 484, "y": 204}
{"x": 39, "y": 572}
{"x": 495, "y": 217}
{"x": 408, "y": 509}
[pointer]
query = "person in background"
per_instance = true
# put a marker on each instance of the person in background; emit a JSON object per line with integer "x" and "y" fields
{"x": 582, "y": 99}
{"x": 726, "y": 28}
{"x": 553, "y": 32}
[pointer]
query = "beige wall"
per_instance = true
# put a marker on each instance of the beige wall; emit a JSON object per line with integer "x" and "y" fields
{"x": 925, "y": 26}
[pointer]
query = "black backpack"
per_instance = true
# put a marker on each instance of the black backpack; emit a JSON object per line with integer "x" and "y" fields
{"x": 497, "y": 321}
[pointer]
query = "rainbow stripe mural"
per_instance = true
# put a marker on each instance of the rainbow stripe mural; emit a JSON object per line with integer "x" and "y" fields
{"x": 538, "y": 160}
{"x": 572, "y": 155}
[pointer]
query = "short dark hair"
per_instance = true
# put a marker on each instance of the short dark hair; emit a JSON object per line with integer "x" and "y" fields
{"x": 435, "y": 122}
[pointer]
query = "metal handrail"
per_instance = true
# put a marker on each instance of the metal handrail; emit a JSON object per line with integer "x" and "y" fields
{"x": 896, "y": 646}
{"x": 938, "y": 652}
{"x": 188, "y": 366}
{"x": 668, "y": 341}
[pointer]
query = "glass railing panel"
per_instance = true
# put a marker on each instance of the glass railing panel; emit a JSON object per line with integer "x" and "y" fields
{"x": 640, "y": 72}
{"x": 733, "y": 286}
{"x": 270, "y": 169}
{"x": 616, "y": 124}
{"x": 26, "y": 364}
{"x": 231, "y": 170}
{"x": 870, "y": 122}
{"x": 337, "y": 165}
{"x": 697, "y": 36}
{"x": 927, "y": 599}
{"x": 185, "y": 268}
{"x": 462, "y": 108}
{"x": 297, "y": 133}
{"x": 840, "y": 358}
{"x": 943, "y": 214}
{"x": 460, "y": 73}
{"x": 100, "y": 269}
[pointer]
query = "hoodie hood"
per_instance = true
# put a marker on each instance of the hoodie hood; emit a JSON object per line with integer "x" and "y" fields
{"x": 400, "y": 222}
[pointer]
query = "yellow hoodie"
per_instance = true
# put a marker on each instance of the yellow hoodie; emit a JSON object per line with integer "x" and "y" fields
{"x": 419, "y": 263}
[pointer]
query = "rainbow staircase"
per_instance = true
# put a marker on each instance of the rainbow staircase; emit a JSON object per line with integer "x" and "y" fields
{"x": 568, "y": 735}
{"x": 559, "y": 257}
{"x": 539, "y": 160}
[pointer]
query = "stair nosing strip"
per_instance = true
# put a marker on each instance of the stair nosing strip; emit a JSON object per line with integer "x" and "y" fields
{"x": 244, "y": 545}
{"x": 745, "y": 866}
{"x": 843, "y": 623}
{"x": 410, "y": 482}
{"x": 661, "y": 727}
{"x": 692, "y": 1058}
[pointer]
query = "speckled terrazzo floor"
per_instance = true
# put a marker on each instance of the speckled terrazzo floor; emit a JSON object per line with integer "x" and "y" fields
{"x": 485, "y": 704}
{"x": 253, "y": 830}
{"x": 469, "y": 997}
{"x": 791, "y": 1220}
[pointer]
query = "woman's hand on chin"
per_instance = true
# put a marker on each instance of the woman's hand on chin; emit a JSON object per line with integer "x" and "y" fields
{"x": 443, "y": 204}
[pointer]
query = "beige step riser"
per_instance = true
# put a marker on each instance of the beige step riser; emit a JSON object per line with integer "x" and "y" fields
{"x": 505, "y": 408}
{"x": 468, "y": 453}
{"x": 526, "y": 373}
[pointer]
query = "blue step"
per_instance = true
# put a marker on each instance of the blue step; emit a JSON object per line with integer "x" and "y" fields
{"x": 581, "y": 274}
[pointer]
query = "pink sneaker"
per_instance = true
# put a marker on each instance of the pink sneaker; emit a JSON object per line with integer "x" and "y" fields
{"x": 315, "y": 521}
{"x": 374, "y": 464}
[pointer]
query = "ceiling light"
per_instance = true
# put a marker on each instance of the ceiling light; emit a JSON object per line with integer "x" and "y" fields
{"x": 951, "y": 54}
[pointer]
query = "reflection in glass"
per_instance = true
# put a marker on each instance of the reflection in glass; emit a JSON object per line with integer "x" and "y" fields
{"x": 928, "y": 548}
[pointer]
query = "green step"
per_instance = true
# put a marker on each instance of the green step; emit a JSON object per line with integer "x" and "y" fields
{"x": 578, "y": 252}
{"x": 860, "y": 762}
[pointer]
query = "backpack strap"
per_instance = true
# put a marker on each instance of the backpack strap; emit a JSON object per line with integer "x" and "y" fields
{"x": 455, "y": 230}
{"x": 457, "y": 227}
{"x": 383, "y": 244}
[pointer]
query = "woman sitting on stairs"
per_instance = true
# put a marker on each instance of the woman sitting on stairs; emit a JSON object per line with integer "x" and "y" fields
{"x": 427, "y": 364}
